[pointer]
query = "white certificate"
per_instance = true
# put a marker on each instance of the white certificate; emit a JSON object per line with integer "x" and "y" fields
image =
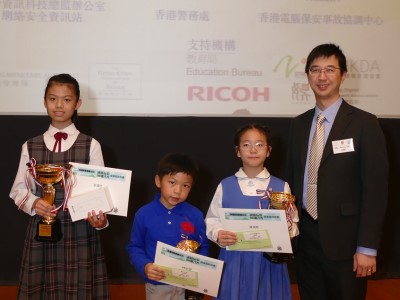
{"x": 89, "y": 178}
{"x": 188, "y": 270}
{"x": 97, "y": 200}
{"x": 264, "y": 230}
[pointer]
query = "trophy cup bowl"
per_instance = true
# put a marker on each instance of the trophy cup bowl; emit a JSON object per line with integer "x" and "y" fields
{"x": 280, "y": 200}
{"x": 188, "y": 245}
{"x": 48, "y": 228}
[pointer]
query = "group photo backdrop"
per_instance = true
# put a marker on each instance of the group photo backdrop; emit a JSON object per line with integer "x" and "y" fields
{"x": 182, "y": 76}
{"x": 198, "y": 58}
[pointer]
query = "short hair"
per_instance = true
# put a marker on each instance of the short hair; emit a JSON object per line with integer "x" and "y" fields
{"x": 64, "y": 79}
{"x": 173, "y": 163}
{"x": 261, "y": 128}
{"x": 327, "y": 50}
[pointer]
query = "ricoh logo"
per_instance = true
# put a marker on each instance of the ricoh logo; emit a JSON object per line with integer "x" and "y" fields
{"x": 227, "y": 93}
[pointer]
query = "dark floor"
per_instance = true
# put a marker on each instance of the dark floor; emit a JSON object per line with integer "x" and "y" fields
{"x": 383, "y": 289}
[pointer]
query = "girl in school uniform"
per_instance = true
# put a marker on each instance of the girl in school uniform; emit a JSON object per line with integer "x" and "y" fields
{"x": 73, "y": 267}
{"x": 247, "y": 275}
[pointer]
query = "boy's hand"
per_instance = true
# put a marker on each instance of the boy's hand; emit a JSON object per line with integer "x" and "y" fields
{"x": 226, "y": 238}
{"x": 154, "y": 272}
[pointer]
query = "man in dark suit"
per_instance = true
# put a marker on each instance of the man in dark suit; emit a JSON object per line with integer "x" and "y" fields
{"x": 337, "y": 246}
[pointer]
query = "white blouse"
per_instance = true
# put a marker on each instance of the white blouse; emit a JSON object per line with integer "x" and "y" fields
{"x": 19, "y": 189}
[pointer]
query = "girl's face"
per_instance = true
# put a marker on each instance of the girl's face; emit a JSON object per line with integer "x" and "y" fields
{"x": 253, "y": 150}
{"x": 61, "y": 102}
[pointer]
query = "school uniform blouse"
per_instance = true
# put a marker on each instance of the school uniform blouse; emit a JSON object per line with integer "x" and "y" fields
{"x": 19, "y": 189}
{"x": 248, "y": 186}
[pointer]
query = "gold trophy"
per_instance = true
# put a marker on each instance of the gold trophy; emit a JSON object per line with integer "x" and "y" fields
{"x": 48, "y": 228}
{"x": 285, "y": 201}
{"x": 191, "y": 246}
{"x": 188, "y": 245}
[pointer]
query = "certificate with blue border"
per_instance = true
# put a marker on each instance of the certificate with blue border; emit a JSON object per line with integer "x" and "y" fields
{"x": 264, "y": 230}
{"x": 90, "y": 178}
{"x": 189, "y": 270}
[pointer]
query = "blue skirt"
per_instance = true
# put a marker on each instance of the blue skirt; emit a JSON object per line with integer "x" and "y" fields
{"x": 250, "y": 276}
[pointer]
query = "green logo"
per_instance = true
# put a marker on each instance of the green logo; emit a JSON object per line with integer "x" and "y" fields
{"x": 288, "y": 59}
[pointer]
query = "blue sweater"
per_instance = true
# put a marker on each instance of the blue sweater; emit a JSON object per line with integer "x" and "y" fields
{"x": 154, "y": 222}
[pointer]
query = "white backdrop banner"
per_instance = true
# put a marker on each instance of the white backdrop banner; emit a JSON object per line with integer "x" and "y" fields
{"x": 198, "y": 58}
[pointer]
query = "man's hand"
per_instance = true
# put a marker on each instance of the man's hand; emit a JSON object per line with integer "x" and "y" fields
{"x": 364, "y": 265}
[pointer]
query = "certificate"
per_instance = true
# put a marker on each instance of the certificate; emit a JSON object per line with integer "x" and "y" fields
{"x": 89, "y": 178}
{"x": 264, "y": 230}
{"x": 189, "y": 270}
{"x": 98, "y": 199}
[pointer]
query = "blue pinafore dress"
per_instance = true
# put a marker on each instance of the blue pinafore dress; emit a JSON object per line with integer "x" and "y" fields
{"x": 249, "y": 275}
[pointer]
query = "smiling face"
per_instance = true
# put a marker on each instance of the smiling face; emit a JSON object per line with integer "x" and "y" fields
{"x": 61, "y": 102}
{"x": 174, "y": 188}
{"x": 326, "y": 86}
{"x": 253, "y": 150}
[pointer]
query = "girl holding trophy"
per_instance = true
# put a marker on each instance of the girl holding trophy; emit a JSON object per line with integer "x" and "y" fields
{"x": 247, "y": 274}
{"x": 61, "y": 258}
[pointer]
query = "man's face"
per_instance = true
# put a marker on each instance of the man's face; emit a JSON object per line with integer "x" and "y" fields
{"x": 325, "y": 79}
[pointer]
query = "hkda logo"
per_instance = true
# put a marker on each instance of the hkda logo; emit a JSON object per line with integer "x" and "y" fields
{"x": 227, "y": 93}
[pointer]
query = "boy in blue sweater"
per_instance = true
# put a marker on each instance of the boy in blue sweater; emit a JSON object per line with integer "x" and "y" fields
{"x": 168, "y": 219}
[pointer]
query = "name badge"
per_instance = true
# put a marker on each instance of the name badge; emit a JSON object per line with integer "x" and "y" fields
{"x": 343, "y": 146}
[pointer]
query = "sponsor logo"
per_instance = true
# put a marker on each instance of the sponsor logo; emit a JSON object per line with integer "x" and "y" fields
{"x": 362, "y": 68}
{"x": 286, "y": 62}
{"x": 227, "y": 93}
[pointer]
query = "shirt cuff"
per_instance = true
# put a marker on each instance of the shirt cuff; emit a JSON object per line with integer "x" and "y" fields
{"x": 367, "y": 251}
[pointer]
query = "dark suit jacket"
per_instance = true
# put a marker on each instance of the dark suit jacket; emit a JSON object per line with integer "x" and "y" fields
{"x": 352, "y": 186}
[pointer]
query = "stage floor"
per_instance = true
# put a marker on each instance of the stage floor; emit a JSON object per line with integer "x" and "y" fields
{"x": 383, "y": 289}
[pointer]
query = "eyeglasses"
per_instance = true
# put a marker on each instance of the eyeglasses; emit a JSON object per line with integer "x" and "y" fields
{"x": 315, "y": 71}
{"x": 249, "y": 146}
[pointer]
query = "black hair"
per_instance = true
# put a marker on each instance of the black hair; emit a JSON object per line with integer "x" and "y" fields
{"x": 64, "y": 79}
{"x": 327, "y": 50}
{"x": 261, "y": 128}
{"x": 173, "y": 163}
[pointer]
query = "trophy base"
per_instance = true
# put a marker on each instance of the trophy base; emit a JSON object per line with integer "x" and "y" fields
{"x": 277, "y": 258}
{"x": 48, "y": 232}
{"x": 192, "y": 295}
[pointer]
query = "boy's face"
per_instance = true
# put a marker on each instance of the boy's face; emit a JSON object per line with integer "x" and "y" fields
{"x": 174, "y": 188}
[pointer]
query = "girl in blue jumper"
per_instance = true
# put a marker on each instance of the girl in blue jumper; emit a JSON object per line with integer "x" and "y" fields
{"x": 247, "y": 275}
